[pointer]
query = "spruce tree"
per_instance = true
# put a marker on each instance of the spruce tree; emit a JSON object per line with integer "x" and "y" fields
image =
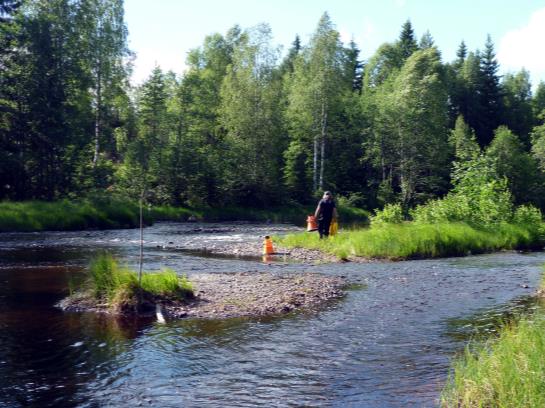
{"x": 426, "y": 41}
{"x": 287, "y": 64}
{"x": 406, "y": 43}
{"x": 461, "y": 54}
{"x": 490, "y": 95}
{"x": 354, "y": 68}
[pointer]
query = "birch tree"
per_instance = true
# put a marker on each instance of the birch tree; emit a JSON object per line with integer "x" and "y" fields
{"x": 316, "y": 87}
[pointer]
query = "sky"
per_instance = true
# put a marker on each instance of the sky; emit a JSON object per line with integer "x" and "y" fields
{"x": 164, "y": 31}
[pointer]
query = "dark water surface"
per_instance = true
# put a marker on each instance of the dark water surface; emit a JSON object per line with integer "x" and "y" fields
{"x": 386, "y": 344}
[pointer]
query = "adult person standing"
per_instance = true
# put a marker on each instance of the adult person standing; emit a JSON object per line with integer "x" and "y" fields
{"x": 325, "y": 212}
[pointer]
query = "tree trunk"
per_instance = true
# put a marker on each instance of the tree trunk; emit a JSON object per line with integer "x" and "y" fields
{"x": 323, "y": 138}
{"x": 97, "y": 120}
{"x": 315, "y": 165}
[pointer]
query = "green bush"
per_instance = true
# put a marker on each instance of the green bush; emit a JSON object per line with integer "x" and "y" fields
{"x": 489, "y": 205}
{"x": 390, "y": 214}
{"x": 527, "y": 214}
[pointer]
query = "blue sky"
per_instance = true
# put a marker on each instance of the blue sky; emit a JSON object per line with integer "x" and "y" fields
{"x": 163, "y": 31}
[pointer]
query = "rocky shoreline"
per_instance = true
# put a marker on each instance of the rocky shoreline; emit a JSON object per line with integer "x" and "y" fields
{"x": 247, "y": 294}
{"x": 304, "y": 255}
{"x": 247, "y": 249}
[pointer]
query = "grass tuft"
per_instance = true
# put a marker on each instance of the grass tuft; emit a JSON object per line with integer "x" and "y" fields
{"x": 119, "y": 288}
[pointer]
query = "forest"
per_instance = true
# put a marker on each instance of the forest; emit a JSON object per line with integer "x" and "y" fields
{"x": 249, "y": 125}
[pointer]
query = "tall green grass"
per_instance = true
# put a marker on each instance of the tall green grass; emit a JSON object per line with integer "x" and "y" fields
{"x": 116, "y": 212}
{"x": 67, "y": 215}
{"x": 98, "y": 213}
{"x": 411, "y": 240}
{"x": 118, "y": 286}
{"x": 504, "y": 372}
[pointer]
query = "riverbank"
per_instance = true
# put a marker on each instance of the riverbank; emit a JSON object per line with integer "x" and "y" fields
{"x": 220, "y": 296}
{"x": 506, "y": 370}
{"x": 110, "y": 212}
{"x": 413, "y": 241}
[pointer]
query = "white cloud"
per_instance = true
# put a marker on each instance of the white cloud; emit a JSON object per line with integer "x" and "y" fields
{"x": 400, "y": 3}
{"x": 522, "y": 47}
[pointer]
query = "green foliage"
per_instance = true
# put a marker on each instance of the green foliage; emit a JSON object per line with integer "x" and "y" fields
{"x": 527, "y": 215}
{"x": 67, "y": 215}
{"x": 250, "y": 114}
{"x": 407, "y": 143}
{"x": 479, "y": 197}
{"x": 517, "y": 103}
{"x": 167, "y": 284}
{"x": 96, "y": 213}
{"x": 490, "y": 204}
{"x": 538, "y": 145}
{"x": 515, "y": 164}
{"x": 390, "y": 214}
{"x": 417, "y": 240}
{"x": 239, "y": 129}
{"x": 109, "y": 282}
{"x": 356, "y": 200}
{"x": 503, "y": 372}
{"x": 462, "y": 138}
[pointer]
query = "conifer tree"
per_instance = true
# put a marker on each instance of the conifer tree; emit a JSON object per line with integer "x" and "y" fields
{"x": 407, "y": 41}
{"x": 354, "y": 68}
{"x": 490, "y": 95}
{"x": 461, "y": 54}
{"x": 287, "y": 64}
{"x": 426, "y": 41}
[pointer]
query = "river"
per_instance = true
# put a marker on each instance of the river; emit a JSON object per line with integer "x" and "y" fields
{"x": 388, "y": 343}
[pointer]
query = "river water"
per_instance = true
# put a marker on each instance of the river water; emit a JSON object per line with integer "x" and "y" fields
{"x": 388, "y": 343}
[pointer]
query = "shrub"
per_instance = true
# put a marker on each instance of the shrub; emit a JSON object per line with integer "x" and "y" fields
{"x": 528, "y": 215}
{"x": 390, "y": 214}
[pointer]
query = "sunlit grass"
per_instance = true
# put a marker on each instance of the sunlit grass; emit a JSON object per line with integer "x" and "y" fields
{"x": 100, "y": 213}
{"x": 67, "y": 215}
{"x": 116, "y": 285}
{"x": 117, "y": 212}
{"x": 505, "y": 372}
{"x": 411, "y": 240}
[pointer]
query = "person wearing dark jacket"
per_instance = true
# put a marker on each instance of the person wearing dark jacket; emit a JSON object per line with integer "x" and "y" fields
{"x": 325, "y": 212}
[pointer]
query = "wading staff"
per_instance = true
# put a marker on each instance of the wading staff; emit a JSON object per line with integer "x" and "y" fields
{"x": 141, "y": 250}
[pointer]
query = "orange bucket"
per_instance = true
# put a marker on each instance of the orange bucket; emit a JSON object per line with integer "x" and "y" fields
{"x": 312, "y": 225}
{"x": 268, "y": 246}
